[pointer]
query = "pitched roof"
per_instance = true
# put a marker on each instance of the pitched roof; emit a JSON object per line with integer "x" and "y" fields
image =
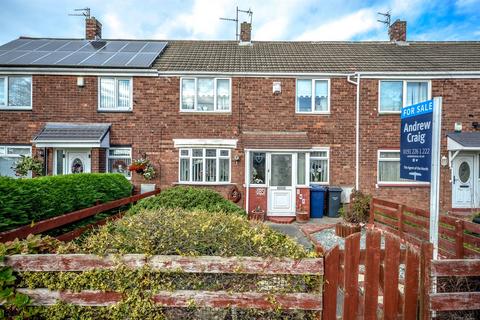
{"x": 275, "y": 140}
{"x": 291, "y": 56}
{"x": 466, "y": 139}
{"x": 53, "y": 131}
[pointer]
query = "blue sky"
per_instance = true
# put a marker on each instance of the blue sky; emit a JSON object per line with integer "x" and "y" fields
{"x": 311, "y": 20}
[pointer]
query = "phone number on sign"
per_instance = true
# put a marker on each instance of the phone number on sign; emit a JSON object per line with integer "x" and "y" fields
{"x": 419, "y": 151}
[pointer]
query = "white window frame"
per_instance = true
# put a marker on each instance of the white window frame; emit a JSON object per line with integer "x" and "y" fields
{"x": 307, "y": 169}
{"x": 116, "y": 108}
{"x": 250, "y": 171}
{"x": 195, "y": 105}
{"x": 118, "y": 157}
{"x": 327, "y": 150}
{"x": 204, "y": 158}
{"x": 5, "y": 92}
{"x": 3, "y": 152}
{"x": 394, "y": 183}
{"x": 312, "y": 102}
{"x": 404, "y": 93}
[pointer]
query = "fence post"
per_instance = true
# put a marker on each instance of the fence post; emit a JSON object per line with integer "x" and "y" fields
{"x": 371, "y": 217}
{"x": 426, "y": 255}
{"x": 330, "y": 287}
{"x": 400, "y": 210}
{"x": 459, "y": 250}
{"x": 351, "y": 262}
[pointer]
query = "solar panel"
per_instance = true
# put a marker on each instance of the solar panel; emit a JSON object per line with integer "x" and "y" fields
{"x": 80, "y": 53}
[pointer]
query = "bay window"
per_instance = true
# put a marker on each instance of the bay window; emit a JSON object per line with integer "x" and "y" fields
{"x": 115, "y": 94}
{"x": 15, "y": 92}
{"x": 204, "y": 165}
{"x": 313, "y": 96}
{"x": 118, "y": 160}
{"x": 9, "y": 155}
{"x": 205, "y": 94}
{"x": 395, "y": 94}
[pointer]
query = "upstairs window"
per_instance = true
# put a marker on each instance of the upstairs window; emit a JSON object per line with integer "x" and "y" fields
{"x": 15, "y": 92}
{"x": 313, "y": 96}
{"x": 205, "y": 95}
{"x": 115, "y": 94}
{"x": 395, "y": 94}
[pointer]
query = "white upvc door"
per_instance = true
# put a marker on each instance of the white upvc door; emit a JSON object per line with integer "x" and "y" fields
{"x": 281, "y": 191}
{"x": 463, "y": 182}
{"x": 77, "y": 161}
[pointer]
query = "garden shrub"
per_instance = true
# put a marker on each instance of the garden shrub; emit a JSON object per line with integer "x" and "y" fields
{"x": 178, "y": 232}
{"x": 23, "y": 201}
{"x": 189, "y": 198}
{"x": 359, "y": 209}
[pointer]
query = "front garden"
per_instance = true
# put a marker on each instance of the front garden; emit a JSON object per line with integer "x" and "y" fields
{"x": 179, "y": 222}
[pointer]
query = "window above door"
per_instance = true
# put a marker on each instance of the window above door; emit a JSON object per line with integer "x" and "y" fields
{"x": 313, "y": 96}
{"x": 393, "y": 95}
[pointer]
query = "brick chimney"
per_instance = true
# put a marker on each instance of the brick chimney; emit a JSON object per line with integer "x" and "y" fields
{"x": 245, "y": 32}
{"x": 398, "y": 31}
{"x": 93, "y": 29}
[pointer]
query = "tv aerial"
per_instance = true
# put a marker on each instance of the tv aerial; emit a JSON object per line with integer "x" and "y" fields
{"x": 82, "y": 12}
{"x": 249, "y": 12}
{"x": 387, "y": 17}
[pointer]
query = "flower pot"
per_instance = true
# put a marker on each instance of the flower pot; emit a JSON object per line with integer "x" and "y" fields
{"x": 343, "y": 229}
{"x": 147, "y": 187}
{"x": 302, "y": 216}
{"x": 256, "y": 215}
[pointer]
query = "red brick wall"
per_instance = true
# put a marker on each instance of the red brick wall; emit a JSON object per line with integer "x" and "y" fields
{"x": 156, "y": 120}
{"x": 303, "y": 199}
{"x": 257, "y": 198}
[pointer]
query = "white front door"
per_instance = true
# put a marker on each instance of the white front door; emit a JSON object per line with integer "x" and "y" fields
{"x": 77, "y": 162}
{"x": 463, "y": 182}
{"x": 281, "y": 193}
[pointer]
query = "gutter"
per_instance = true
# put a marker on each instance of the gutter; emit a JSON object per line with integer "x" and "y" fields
{"x": 79, "y": 71}
{"x": 357, "y": 128}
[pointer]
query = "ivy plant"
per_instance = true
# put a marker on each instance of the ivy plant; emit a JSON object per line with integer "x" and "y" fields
{"x": 26, "y": 164}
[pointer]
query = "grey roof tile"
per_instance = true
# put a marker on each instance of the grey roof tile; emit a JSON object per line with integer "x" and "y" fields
{"x": 53, "y": 131}
{"x": 466, "y": 139}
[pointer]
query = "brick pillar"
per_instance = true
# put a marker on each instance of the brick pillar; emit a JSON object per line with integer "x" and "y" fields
{"x": 96, "y": 161}
{"x": 398, "y": 31}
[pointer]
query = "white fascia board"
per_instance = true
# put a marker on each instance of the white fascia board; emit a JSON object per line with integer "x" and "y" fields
{"x": 79, "y": 71}
{"x": 219, "y": 143}
{"x": 369, "y": 75}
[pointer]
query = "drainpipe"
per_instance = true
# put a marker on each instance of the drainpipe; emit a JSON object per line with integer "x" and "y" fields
{"x": 247, "y": 180}
{"x": 357, "y": 129}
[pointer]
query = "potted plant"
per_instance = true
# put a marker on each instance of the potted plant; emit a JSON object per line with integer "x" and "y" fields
{"x": 27, "y": 165}
{"x": 257, "y": 214}
{"x": 354, "y": 216}
{"x": 302, "y": 216}
{"x": 144, "y": 167}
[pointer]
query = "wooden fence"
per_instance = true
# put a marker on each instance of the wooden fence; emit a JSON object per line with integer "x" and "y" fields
{"x": 178, "y": 298}
{"x": 56, "y": 222}
{"x": 381, "y": 281}
{"x": 457, "y": 238}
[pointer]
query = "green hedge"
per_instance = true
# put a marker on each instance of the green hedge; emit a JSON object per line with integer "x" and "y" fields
{"x": 23, "y": 201}
{"x": 189, "y": 198}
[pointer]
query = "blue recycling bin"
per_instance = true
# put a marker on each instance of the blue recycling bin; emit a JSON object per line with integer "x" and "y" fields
{"x": 317, "y": 201}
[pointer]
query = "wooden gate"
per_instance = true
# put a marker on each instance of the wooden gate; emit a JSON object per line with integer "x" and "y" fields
{"x": 381, "y": 281}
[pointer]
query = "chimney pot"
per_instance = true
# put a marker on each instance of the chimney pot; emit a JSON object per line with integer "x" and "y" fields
{"x": 245, "y": 32}
{"x": 93, "y": 29}
{"x": 398, "y": 31}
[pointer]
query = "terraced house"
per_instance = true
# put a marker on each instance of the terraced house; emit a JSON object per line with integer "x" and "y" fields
{"x": 269, "y": 119}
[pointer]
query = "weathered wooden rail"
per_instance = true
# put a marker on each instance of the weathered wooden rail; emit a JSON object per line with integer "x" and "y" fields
{"x": 458, "y": 238}
{"x": 56, "y": 222}
{"x": 178, "y": 298}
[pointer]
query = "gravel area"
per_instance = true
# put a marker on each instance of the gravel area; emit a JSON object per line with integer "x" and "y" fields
{"x": 328, "y": 239}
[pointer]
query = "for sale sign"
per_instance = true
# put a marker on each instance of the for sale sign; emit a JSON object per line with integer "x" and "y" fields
{"x": 416, "y": 141}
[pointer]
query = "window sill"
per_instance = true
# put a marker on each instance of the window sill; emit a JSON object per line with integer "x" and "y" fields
{"x": 204, "y": 183}
{"x": 115, "y": 110}
{"x": 206, "y": 112}
{"x": 403, "y": 185}
{"x": 326, "y": 113}
{"x": 389, "y": 113}
{"x": 15, "y": 108}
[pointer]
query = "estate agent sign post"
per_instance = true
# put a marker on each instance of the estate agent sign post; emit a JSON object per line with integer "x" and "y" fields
{"x": 420, "y": 153}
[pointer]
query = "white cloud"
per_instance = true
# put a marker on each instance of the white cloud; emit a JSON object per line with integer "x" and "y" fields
{"x": 343, "y": 28}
